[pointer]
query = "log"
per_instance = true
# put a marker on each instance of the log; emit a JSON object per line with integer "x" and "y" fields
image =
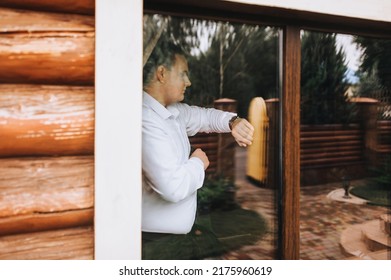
{"x": 329, "y": 127}
{"x": 12, "y": 21}
{"x": 46, "y": 120}
{"x": 384, "y": 149}
{"x": 340, "y": 154}
{"x": 46, "y": 221}
{"x": 336, "y": 160}
{"x": 317, "y": 150}
{"x": 226, "y": 146}
{"x": 326, "y": 133}
{"x": 358, "y": 142}
{"x": 203, "y": 138}
{"x": 329, "y": 138}
{"x": 384, "y": 124}
{"x": 44, "y": 48}
{"x": 206, "y": 146}
{"x": 67, "y": 244}
{"x": 66, "y": 6}
{"x": 46, "y": 185}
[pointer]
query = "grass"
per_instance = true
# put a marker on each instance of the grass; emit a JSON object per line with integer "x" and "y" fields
{"x": 214, "y": 234}
{"x": 376, "y": 195}
{"x": 235, "y": 228}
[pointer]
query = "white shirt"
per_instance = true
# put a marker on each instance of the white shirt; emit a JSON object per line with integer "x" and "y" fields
{"x": 170, "y": 178}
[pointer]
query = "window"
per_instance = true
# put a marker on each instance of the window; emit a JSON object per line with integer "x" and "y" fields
{"x": 345, "y": 151}
{"x": 232, "y": 67}
{"x": 291, "y": 22}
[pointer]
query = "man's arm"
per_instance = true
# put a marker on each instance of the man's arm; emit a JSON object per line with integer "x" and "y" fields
{"x": 242, "y": 131}
{"x": 172, "y": 181}
{"x": 212, "y": 120}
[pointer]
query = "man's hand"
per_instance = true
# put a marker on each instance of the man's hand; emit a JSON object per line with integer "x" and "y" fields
{"x": 243, "y": 132}
{"x": 202, "y": 156}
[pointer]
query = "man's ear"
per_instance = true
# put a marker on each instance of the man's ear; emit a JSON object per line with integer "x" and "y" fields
{"x": 161, "y": 74}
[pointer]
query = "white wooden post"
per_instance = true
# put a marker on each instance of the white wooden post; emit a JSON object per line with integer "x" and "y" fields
{"x": 118, "y": 84}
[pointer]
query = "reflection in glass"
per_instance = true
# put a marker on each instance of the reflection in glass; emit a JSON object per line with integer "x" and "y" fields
{"x": 230, "y": 66}
{"x": 345, "y": 147}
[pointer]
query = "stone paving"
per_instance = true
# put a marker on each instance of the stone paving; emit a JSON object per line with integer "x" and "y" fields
{"x": 322, "y": 219}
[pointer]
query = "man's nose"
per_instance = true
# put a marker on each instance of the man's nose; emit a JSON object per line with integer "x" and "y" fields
{"x": 187, "y": 82}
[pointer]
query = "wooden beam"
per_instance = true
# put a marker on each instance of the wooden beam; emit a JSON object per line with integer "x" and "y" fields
{"x": 64, "y": 6}
{"x": 66, "y": 244}
{"x": 46, "y": 48}
{"x": 45, "y": 185}
{"x": 290, "y": 200}
{"x": 46, "y": 120}
{"x": 13, "y": 20}
{"x": 46, "y": 221}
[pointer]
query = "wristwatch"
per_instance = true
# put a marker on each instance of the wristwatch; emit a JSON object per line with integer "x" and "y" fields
{"x": 231, "y": 121}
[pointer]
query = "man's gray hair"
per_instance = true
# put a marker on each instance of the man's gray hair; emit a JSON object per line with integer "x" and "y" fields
{"x": 163, "y": 54}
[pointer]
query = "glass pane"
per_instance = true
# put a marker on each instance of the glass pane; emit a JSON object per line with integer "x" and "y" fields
{"x": 232, "y": 67}
{"x": 345, "y": 147}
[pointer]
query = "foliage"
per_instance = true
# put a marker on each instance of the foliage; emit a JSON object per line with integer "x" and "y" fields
{"x": 378, "y": 190}
{"x": 383, "y": 178}
{"x": 323, "y": 82}
{"x": 376, "y": 195}
{"x": 240, "y": 65}
{"x": 211, "y": 236}
{"x": 375, "y": 71}
{"x": 240, "y": 61}
{"x": 216, "y": 193}
{"x": 235, "y": 228}
{"x": 185, "y": 32}
{"x": 376, "y": 59}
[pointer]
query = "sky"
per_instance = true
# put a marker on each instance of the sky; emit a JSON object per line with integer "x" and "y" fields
{"x": 352, "y": 53}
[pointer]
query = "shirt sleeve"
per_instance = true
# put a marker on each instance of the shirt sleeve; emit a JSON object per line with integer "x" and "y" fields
{"x": 198, "y": 119}
{"x": 173, "y": 181}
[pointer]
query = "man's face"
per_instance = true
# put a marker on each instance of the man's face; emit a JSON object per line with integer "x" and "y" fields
{"x": 177, "y": 80}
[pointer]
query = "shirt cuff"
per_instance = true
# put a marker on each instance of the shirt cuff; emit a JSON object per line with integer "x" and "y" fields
{"x": 200, "y": 175}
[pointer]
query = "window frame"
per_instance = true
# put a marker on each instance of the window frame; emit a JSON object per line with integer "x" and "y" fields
{"x": 291, "y": 21}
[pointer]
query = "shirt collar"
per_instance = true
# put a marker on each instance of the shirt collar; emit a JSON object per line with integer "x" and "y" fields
{"x": 162, "y": 111}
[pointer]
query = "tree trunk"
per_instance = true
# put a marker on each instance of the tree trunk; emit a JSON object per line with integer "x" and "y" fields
{"x": 221, "y": 70}
{"x": 46, "y": 48}
{"x": 46, "y": 120}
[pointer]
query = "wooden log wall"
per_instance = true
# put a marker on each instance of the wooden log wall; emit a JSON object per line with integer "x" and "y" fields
{"x": 47, "y": 129}
{"x": 46, "y": 120}
{"x": 208, "y": 142}
{"x": 226, "y": 143}
{"x": 331, "y": 145}
{"x": 384, "y": 128}
{"x": 329, "y": 153}
{"x": 46, "y": 48}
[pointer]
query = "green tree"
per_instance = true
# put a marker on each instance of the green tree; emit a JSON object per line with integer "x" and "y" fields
{"x": 240, "y": 62}
{"x": 185, "y": 32}
{"x": 323, "y": 82}
{"x": 375, "y": 69}
{"x": 254, "y": 69}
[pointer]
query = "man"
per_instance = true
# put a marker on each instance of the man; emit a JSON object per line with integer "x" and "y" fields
{"x": 171, "y": 175}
